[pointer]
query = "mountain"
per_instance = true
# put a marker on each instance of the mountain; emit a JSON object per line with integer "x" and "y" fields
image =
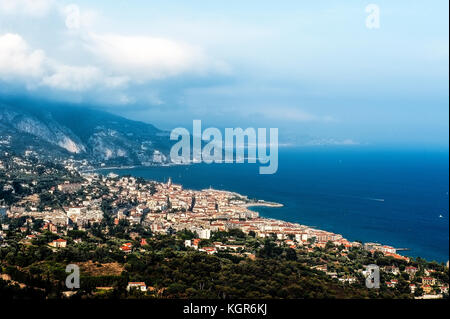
{"x": 81, "y": 133}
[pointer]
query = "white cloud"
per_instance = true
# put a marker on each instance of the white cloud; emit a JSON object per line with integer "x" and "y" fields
{"x": 75, "y": 18}
{"x": 35, "y": 8}
{"x": 72, "y": 13}
{"x": 81, "y": 78}
{"x": 20, "y": 63}
{"x": 118, "y": 61}
{"x": 146, "y": 58}
{"x": 73, "y": 78}
{"x": 110, "y": 61}
{"x": 17, "y": 59}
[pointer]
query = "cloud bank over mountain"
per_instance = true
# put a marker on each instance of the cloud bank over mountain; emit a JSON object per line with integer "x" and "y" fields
{"x": 309, "y": 69}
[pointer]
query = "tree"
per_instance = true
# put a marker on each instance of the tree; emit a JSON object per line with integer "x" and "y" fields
{"x": 168, "y": 203}
{"x": 329, "y": 245}
{"x": 291, "y": 254}
{"x": 418, "y": 292}
{"x": 152, "y": 189}
{"x": 186, "y": 234}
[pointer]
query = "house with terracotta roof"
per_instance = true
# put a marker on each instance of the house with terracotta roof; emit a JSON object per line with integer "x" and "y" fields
{"x": 59, "y": 243}
{"x": 126, "y": 248}
{"x": 429, "y": 281}
{"x": 137, "y": 285}
{"x": 208, "y": 250}
{"x": 444, "y": 289}
{"x": 392, "y": 270}
{"x": 412, "y": 288}
{"x": 390, "y": 284}
{"x": 410, "y": 270}
{"x": 427, "y": 289}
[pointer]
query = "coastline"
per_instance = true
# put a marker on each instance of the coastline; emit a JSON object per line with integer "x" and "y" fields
{"x": 254, "y": 203}
{"x": 262, "y": 203}
{"x": 105, "y": 168}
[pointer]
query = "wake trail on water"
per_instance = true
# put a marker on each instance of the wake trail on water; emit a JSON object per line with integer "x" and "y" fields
{"x": 360, "y": 197}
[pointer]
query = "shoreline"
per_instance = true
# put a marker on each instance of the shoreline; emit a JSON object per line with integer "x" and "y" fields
{"x": 264, "y": 204}
{"x": 256, "y": 203}
{"x": 90, "y": 170}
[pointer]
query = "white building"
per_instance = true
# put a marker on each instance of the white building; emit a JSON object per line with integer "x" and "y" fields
{"x": 137, "y": 285}
{"x": 204, "y": 233}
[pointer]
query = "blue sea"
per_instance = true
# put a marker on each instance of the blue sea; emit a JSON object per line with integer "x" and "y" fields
{"x": 394, "y": 197}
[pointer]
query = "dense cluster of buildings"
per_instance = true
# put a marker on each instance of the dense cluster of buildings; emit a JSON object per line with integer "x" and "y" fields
{"x": 386, "y": 250}
{"x": 167, "y": 208}
{"x": 171, "y": 208}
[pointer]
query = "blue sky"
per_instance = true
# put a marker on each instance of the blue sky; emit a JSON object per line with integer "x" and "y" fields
{"x": 313, "y": 69}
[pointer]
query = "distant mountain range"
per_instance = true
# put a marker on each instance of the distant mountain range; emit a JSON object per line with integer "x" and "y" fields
{"x": 81, "y": 133}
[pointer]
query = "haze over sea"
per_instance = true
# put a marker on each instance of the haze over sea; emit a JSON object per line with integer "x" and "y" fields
{"x": 394, "y": 197}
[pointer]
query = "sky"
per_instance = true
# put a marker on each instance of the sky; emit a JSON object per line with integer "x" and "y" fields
{"x": 313, "y": 69}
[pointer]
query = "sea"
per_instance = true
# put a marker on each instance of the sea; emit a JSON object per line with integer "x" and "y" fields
{"x": 390, "y": 196}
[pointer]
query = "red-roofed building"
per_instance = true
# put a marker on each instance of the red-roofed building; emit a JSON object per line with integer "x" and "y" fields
{"x": 412, "y": 288}
{"x": 411, "y": 270}
{"x": 429, "y": 281}
{"x": 59, "y": 243}
{"x": 209, "y": 250}
{"x": 137, "y": 285}
{"x": 427, "y": 289}
{"x": 126, "y": 248}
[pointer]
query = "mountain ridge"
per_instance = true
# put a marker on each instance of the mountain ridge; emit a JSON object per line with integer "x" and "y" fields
{"x": 82, "y": 133}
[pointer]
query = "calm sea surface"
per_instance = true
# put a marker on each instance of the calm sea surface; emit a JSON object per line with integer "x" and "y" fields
{"x": 399, "y": 198}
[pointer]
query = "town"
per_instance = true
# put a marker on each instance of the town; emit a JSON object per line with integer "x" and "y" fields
{"x": 126, "y": 218}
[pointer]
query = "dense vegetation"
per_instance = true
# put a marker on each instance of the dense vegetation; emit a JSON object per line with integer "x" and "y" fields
{"x": 173, "y": 271}
{"x": 258, "y": 268}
